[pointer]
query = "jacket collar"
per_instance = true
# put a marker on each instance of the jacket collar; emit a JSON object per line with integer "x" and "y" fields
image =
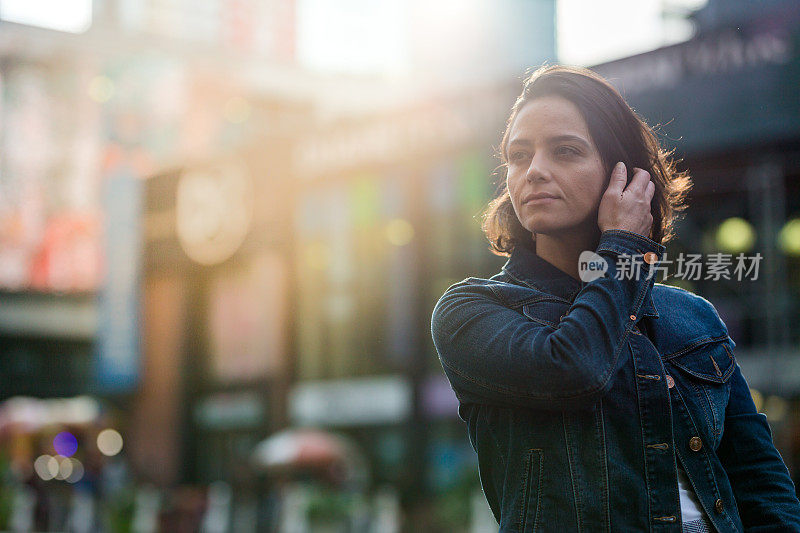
{"x": 527, "y": 267}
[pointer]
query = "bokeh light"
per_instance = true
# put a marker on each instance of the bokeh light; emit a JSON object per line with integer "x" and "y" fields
{"x": 789, "y": 237}
{"x": 735, "y": 234}
{"x": 101, "y": 89}
{"x": 77, "y": 471}
{"x": 65, "y": 444}
{"x": 775, "y": 408}
{"x": 109, "y": 442}
{"x": 64, "y": 467}
{"x": 46, "y": 467}
{"x": 399, "y": 232}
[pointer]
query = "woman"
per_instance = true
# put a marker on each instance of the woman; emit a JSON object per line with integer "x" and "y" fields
{"x": 610, "y": 402}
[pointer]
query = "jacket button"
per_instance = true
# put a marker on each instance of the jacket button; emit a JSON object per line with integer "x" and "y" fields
{"x": 670, "y": 381}
{"x": 633, "y": 317}
{"x": 650, "y": 258}
{"x": 718, "y": 506}
{"x": 695, "y": 444}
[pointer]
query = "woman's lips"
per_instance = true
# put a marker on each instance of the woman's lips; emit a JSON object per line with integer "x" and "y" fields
{"x": 542, "y": 200}
{"x": 539, "y": 197}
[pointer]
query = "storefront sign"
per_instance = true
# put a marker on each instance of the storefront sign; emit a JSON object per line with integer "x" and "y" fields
{"x": 380, "y": 400}
{"x": 455, "y": 123}
{"x": 230, "y": 411}
{"x": 726, "y": 88}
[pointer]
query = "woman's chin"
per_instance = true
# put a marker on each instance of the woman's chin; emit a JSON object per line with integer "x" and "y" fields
{"x": 541, "y": 228}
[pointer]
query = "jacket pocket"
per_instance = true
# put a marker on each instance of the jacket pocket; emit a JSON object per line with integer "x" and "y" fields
{"x": 711, "y": 361}
{"x": 705, "y": 371}
{"x": 531, "y": 491}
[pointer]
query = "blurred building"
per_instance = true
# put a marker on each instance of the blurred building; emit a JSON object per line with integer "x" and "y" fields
{"x": 387, "y": 217}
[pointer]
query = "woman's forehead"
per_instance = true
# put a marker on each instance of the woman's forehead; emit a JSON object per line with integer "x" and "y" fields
{"x": 548, "y": 116}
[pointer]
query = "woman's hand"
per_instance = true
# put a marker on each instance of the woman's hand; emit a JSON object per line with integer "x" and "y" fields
{"x": 627, "y": 208}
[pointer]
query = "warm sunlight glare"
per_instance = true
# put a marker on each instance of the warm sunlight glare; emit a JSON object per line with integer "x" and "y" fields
{"x": 74, "y": 16}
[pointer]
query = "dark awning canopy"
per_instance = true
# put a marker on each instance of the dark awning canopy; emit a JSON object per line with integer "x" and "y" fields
{"x": 726, "y": 87}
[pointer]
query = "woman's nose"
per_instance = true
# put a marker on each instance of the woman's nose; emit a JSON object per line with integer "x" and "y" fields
{"x": 537, "y": 170}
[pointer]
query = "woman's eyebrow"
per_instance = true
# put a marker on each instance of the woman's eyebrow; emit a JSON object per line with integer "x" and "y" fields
{"x": 569, "y": 138}
{"x": 552, "y": 140}
{"x": 515, "y": 142}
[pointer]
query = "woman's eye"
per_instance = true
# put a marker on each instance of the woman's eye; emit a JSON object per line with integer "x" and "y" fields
{"x": 566, "y": 150}
{"x": 518, "y": 156}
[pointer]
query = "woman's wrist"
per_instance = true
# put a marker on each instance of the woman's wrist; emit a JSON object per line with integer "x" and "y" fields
{"x": 628, "y": 242}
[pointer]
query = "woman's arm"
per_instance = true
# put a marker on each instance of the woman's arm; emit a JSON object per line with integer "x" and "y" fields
{"x": 494, "y": 354}
{"x": 761, "y": 483}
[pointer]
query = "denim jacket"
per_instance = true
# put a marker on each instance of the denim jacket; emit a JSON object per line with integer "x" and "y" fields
{"x": 580, "y": 399}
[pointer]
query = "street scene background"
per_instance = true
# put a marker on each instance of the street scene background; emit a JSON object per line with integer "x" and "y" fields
{"x": 224, "y": 225}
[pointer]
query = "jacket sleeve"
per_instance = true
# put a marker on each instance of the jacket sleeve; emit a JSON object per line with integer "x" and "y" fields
{"x": 492, "y": 353}
{"x": 765, "y": 493}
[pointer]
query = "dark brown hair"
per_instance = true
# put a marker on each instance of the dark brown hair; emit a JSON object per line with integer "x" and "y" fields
{"x": 619, "y": 135}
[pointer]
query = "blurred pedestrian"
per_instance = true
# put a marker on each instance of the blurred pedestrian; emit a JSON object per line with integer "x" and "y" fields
{"x": 595, "y": 398}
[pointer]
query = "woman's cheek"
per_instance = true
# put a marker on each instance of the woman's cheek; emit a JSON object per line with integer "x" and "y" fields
{"x": 512, "y": 190}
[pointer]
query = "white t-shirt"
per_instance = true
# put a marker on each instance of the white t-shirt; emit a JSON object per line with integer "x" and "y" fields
{"x": 690, "y": 505}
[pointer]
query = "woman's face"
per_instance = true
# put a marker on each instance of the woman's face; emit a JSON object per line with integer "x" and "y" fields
{"x": 550, "y": 152}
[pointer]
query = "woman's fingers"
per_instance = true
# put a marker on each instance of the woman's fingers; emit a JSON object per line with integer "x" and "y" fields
{"x": 638, "y": 181}
{"x": 619, "y": 178}
{"x": 651, "y": 190}
{"x": 627, "y": 207}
